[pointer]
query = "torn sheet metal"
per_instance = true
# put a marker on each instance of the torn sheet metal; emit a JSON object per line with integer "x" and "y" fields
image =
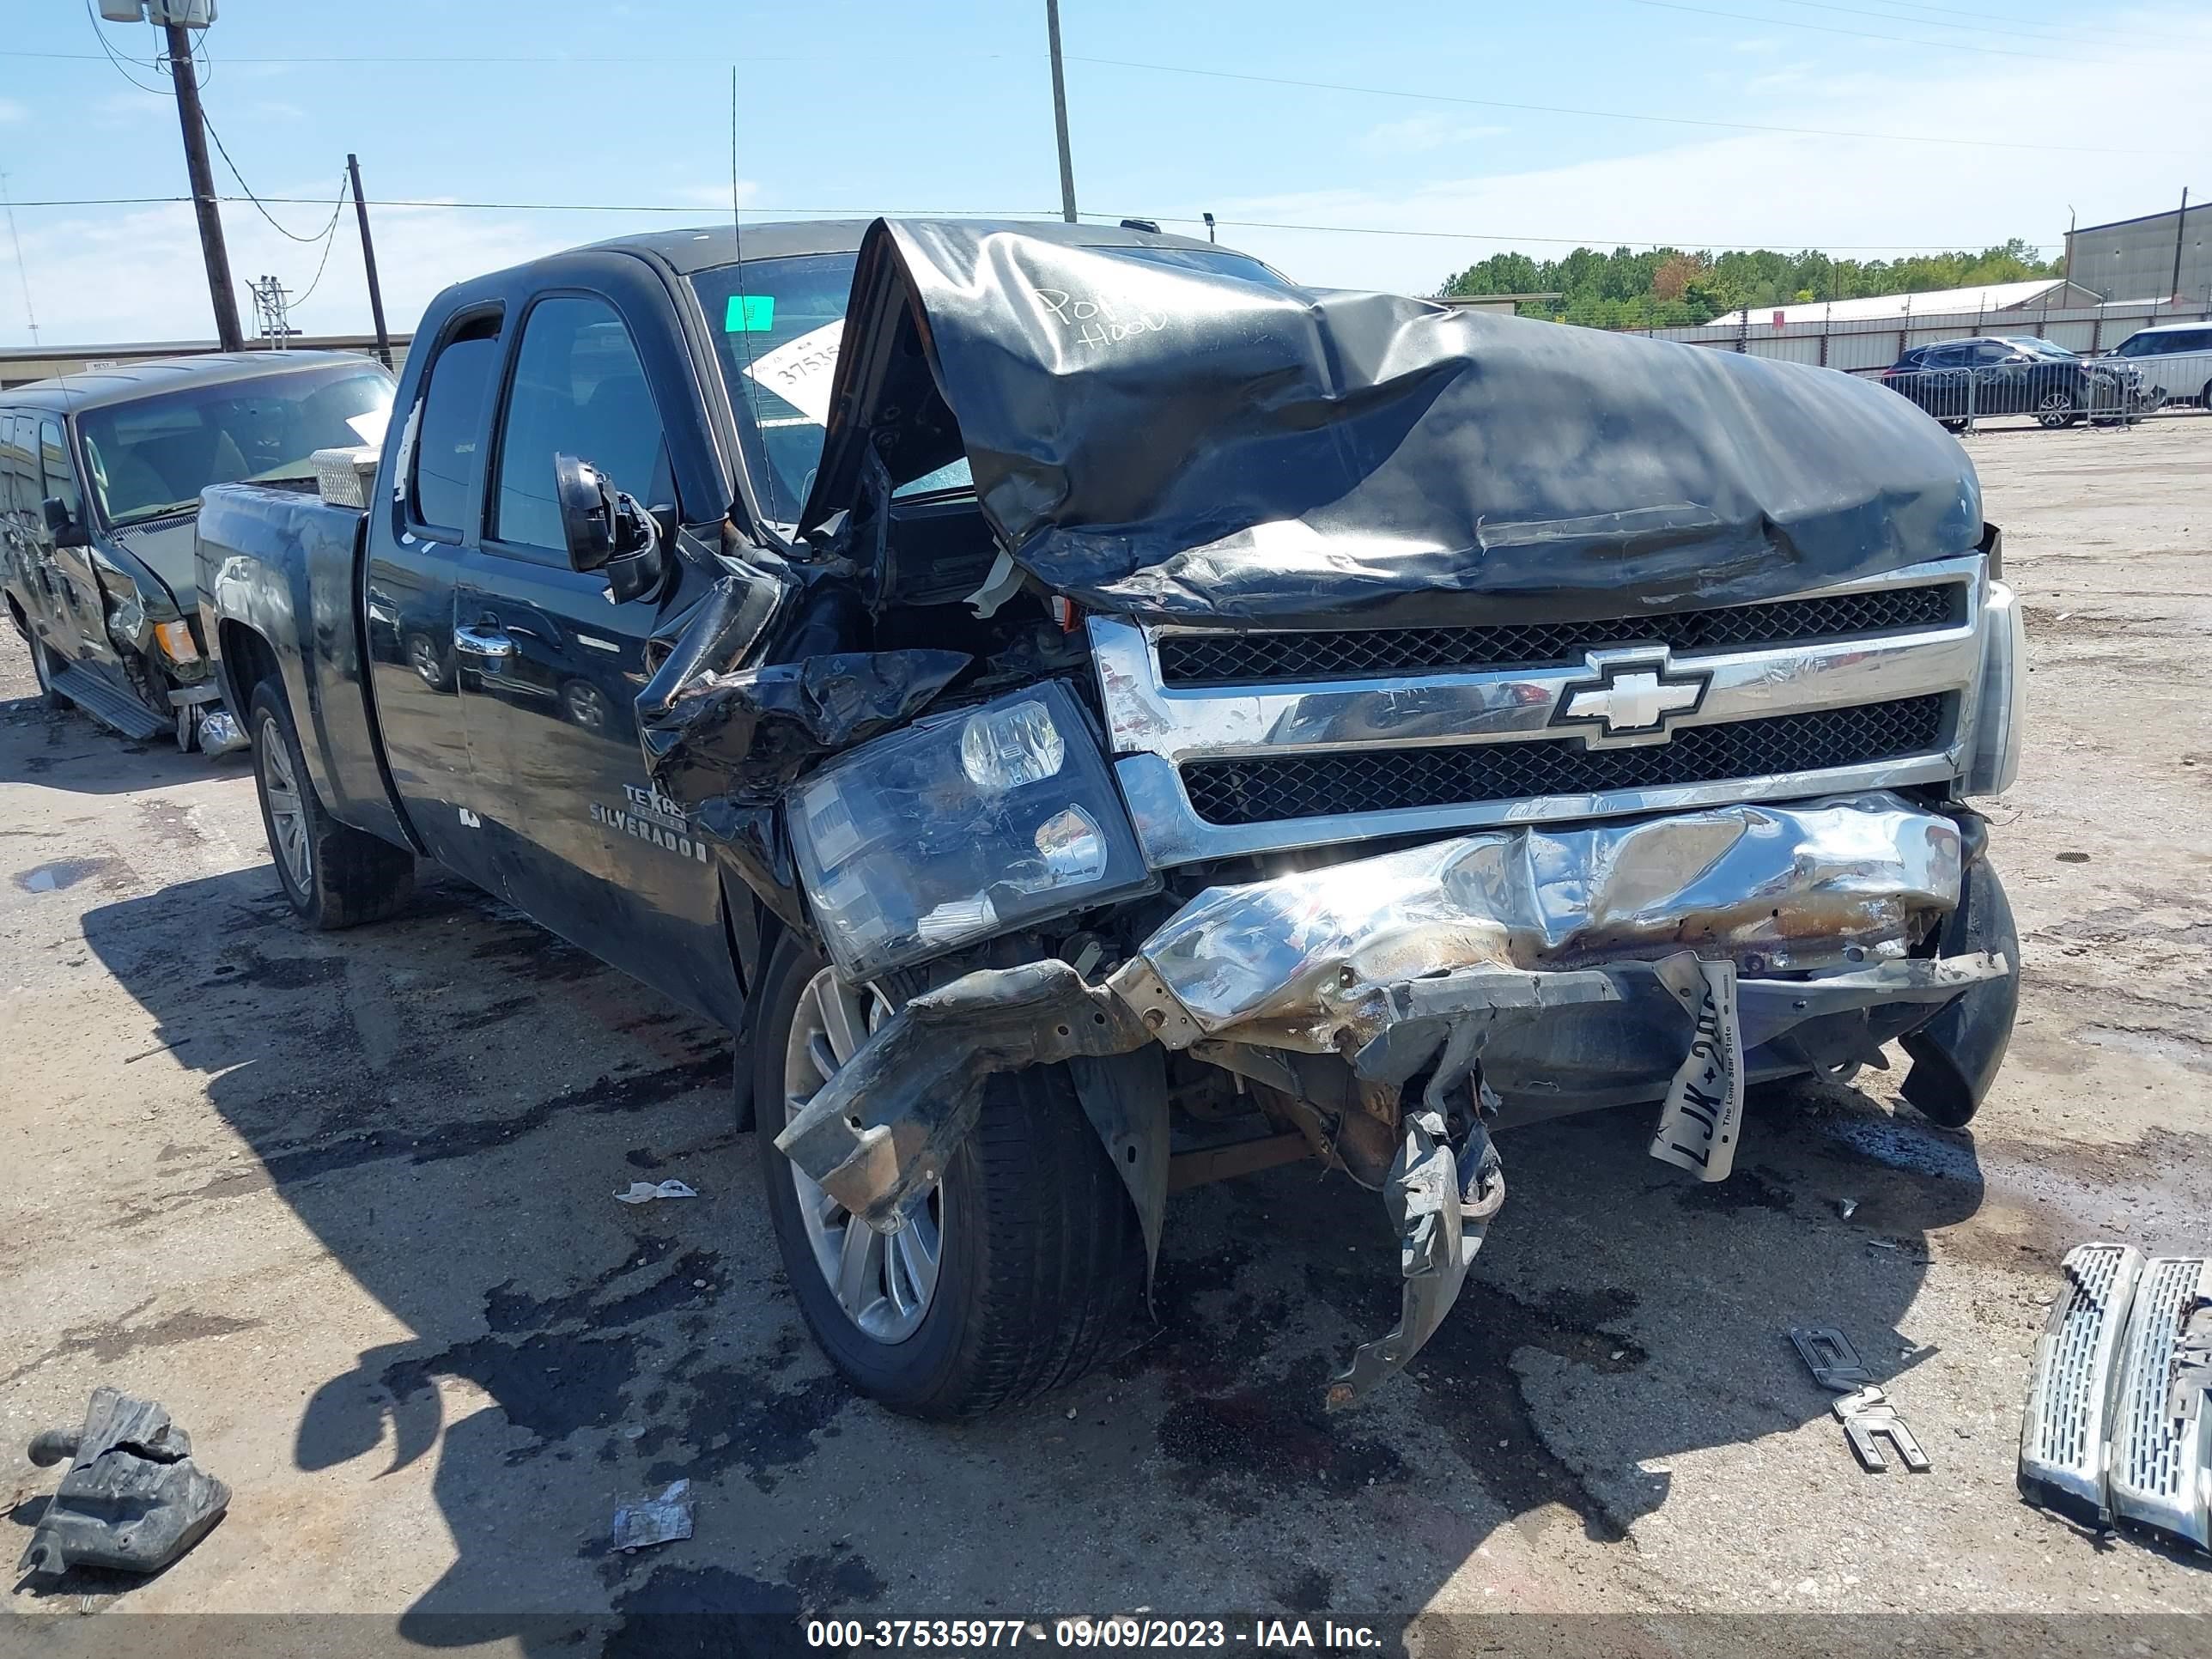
{"x": 877, "y": 1134}
{"x": 1196, "y": 440}
{"x": 749, "y": 732}
{"x": 1440, "y": 1201}
{"x": 1302, "y": 958}
{"x": 132, "y": 1499}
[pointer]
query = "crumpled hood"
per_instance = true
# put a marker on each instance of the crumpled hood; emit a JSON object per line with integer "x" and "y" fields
{"x": 1174, "y": 442}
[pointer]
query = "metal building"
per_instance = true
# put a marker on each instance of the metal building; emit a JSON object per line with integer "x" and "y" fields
{"x": 2134, "y": 259}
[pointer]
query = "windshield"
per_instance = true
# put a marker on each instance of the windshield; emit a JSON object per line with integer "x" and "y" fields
{"x": 776, "y": 340}
{"x": 2039, "y": 345}
{"x": 154, "y": 455}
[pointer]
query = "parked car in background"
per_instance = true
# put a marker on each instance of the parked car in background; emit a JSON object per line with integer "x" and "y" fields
{"x": 1959, "y": 381}
{"x": 2173, "y": 358}
{"x": 100, "y": 475}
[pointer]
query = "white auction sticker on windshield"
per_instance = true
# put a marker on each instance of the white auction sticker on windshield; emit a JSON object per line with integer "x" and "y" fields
{"x": 369, "y": 425}
{"x": 799, "y": 371}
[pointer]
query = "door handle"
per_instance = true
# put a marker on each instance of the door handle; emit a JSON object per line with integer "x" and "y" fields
{"x": 483, "y": 645}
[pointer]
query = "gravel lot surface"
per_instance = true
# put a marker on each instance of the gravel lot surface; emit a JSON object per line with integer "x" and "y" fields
{"x": 343, "y": 1203}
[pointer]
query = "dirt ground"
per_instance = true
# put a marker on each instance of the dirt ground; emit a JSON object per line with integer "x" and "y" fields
{"x": 343, "y": 1203}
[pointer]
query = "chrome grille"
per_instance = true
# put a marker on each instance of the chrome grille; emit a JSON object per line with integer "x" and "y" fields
{"x": 1259, "y": 788}
{"x": 1236, "y": 659}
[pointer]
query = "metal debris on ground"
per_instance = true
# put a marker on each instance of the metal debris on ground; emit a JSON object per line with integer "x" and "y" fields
{"x": 1829, "y": 1355}
{"x": 1863, "y": 1408}
{"x": 661, "y": 1520}
{"x": 132, "y": 1499}
{"x": 1868, "y": 1419}
{"x": 644, "y": 1192}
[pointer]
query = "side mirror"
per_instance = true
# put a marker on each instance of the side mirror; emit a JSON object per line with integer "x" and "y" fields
{"x": 607, "y": 531}
{"x": 67, "y": 531}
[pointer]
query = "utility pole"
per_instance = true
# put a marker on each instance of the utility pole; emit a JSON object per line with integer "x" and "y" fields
{"x": 2180, "y": 230}
{"x": 203, "y": 203}
{"x": 368, "y": 262}
{"x": 1060, "y": 112}
{"x": 2070, "y": 243}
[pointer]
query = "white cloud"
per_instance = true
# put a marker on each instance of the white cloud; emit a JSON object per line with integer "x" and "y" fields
{"x": 1419, "y": 134}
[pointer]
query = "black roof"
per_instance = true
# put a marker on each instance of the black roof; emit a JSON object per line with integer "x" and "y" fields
{"x": 152, "y": 375}
{"x": 703, "y": 247}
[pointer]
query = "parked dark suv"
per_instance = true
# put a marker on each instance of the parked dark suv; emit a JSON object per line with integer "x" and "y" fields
{"x": 1959, "y": 381}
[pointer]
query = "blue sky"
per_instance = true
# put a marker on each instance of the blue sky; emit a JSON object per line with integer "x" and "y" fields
{"x": 863, "y": 105}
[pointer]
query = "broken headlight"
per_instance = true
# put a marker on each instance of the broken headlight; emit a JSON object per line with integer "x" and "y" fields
{"x": 960, "y": 827}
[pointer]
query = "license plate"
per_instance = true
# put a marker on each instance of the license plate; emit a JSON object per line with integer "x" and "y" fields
{"x": 1702, "y": 1118}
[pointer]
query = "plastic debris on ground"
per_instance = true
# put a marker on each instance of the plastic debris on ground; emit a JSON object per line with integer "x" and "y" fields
{"x": 661, "y": 1520}
{"x": 133, "y": 1500}
{"x": 644, "y": 1192}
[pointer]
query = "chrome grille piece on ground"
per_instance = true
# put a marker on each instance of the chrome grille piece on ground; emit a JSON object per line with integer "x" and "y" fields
{"x": 1255, "y": 789}
{"x": 2162, "y": 1447}
{"x": 2119, "y": 1407}
{"x": 2063, "y": 1436}
{"x": 1218, "y": 656}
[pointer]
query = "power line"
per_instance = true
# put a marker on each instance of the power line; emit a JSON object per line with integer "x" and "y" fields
{"x": 694, "y": 212}
{"x": 2006, "y": 25}
{"x": 1986, "y": 25}
{"x": 1607, "y": 114}
{"x": 319, "y": 236}
{"x": 330, "y": 237}
{"x": 1867, "y": 34}
{"x": 116, "y": 58}
{"x": 1683, "y": 243}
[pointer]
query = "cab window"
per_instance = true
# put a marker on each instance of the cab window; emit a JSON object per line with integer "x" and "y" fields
{"x": 57, "y": 476}
{"x": 579, "y": 389}
{"x": 451, "y": 427}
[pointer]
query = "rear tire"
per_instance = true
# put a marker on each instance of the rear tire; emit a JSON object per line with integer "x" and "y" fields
{"x": 1040, "y": 1259}
{"x": 334, "y": 876}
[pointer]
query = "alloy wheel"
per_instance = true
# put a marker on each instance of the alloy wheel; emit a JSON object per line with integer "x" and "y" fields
{"x": 884, "y": 1282}
{"x": 288, "y": 813}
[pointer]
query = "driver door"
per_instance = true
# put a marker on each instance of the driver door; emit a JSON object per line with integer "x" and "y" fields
{"x": 551, "y": 666}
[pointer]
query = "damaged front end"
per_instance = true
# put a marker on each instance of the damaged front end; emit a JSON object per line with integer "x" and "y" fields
{"x": 1394, "y": 1007}
{"x": 1619, "y": 770}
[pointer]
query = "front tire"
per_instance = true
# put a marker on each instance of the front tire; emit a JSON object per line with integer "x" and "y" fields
{"x": 1024, "y": 1265}
{"x": 42, "y": 667}
{"x": 334, "y": 876}
{"x": 2056, "y": 408}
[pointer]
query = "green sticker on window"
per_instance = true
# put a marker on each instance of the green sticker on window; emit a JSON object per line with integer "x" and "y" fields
{"x": 750, "y": 313}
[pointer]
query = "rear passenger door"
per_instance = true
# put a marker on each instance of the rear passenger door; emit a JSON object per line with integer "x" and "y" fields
{"x": 415, "y": 547}
{"x": 588, "y": 848}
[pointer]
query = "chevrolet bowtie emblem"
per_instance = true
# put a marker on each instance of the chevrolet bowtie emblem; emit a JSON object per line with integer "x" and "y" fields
{"x": 1631, "y": 698}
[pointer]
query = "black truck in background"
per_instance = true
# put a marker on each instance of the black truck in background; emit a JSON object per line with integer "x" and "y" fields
{"x": 1017, "y": 678}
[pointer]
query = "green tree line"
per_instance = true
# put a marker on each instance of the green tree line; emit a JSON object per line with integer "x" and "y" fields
{"x": 1668, "y": 287}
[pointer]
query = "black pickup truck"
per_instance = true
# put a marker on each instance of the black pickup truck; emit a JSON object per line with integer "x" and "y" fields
{"x": 1093, "y": 716}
